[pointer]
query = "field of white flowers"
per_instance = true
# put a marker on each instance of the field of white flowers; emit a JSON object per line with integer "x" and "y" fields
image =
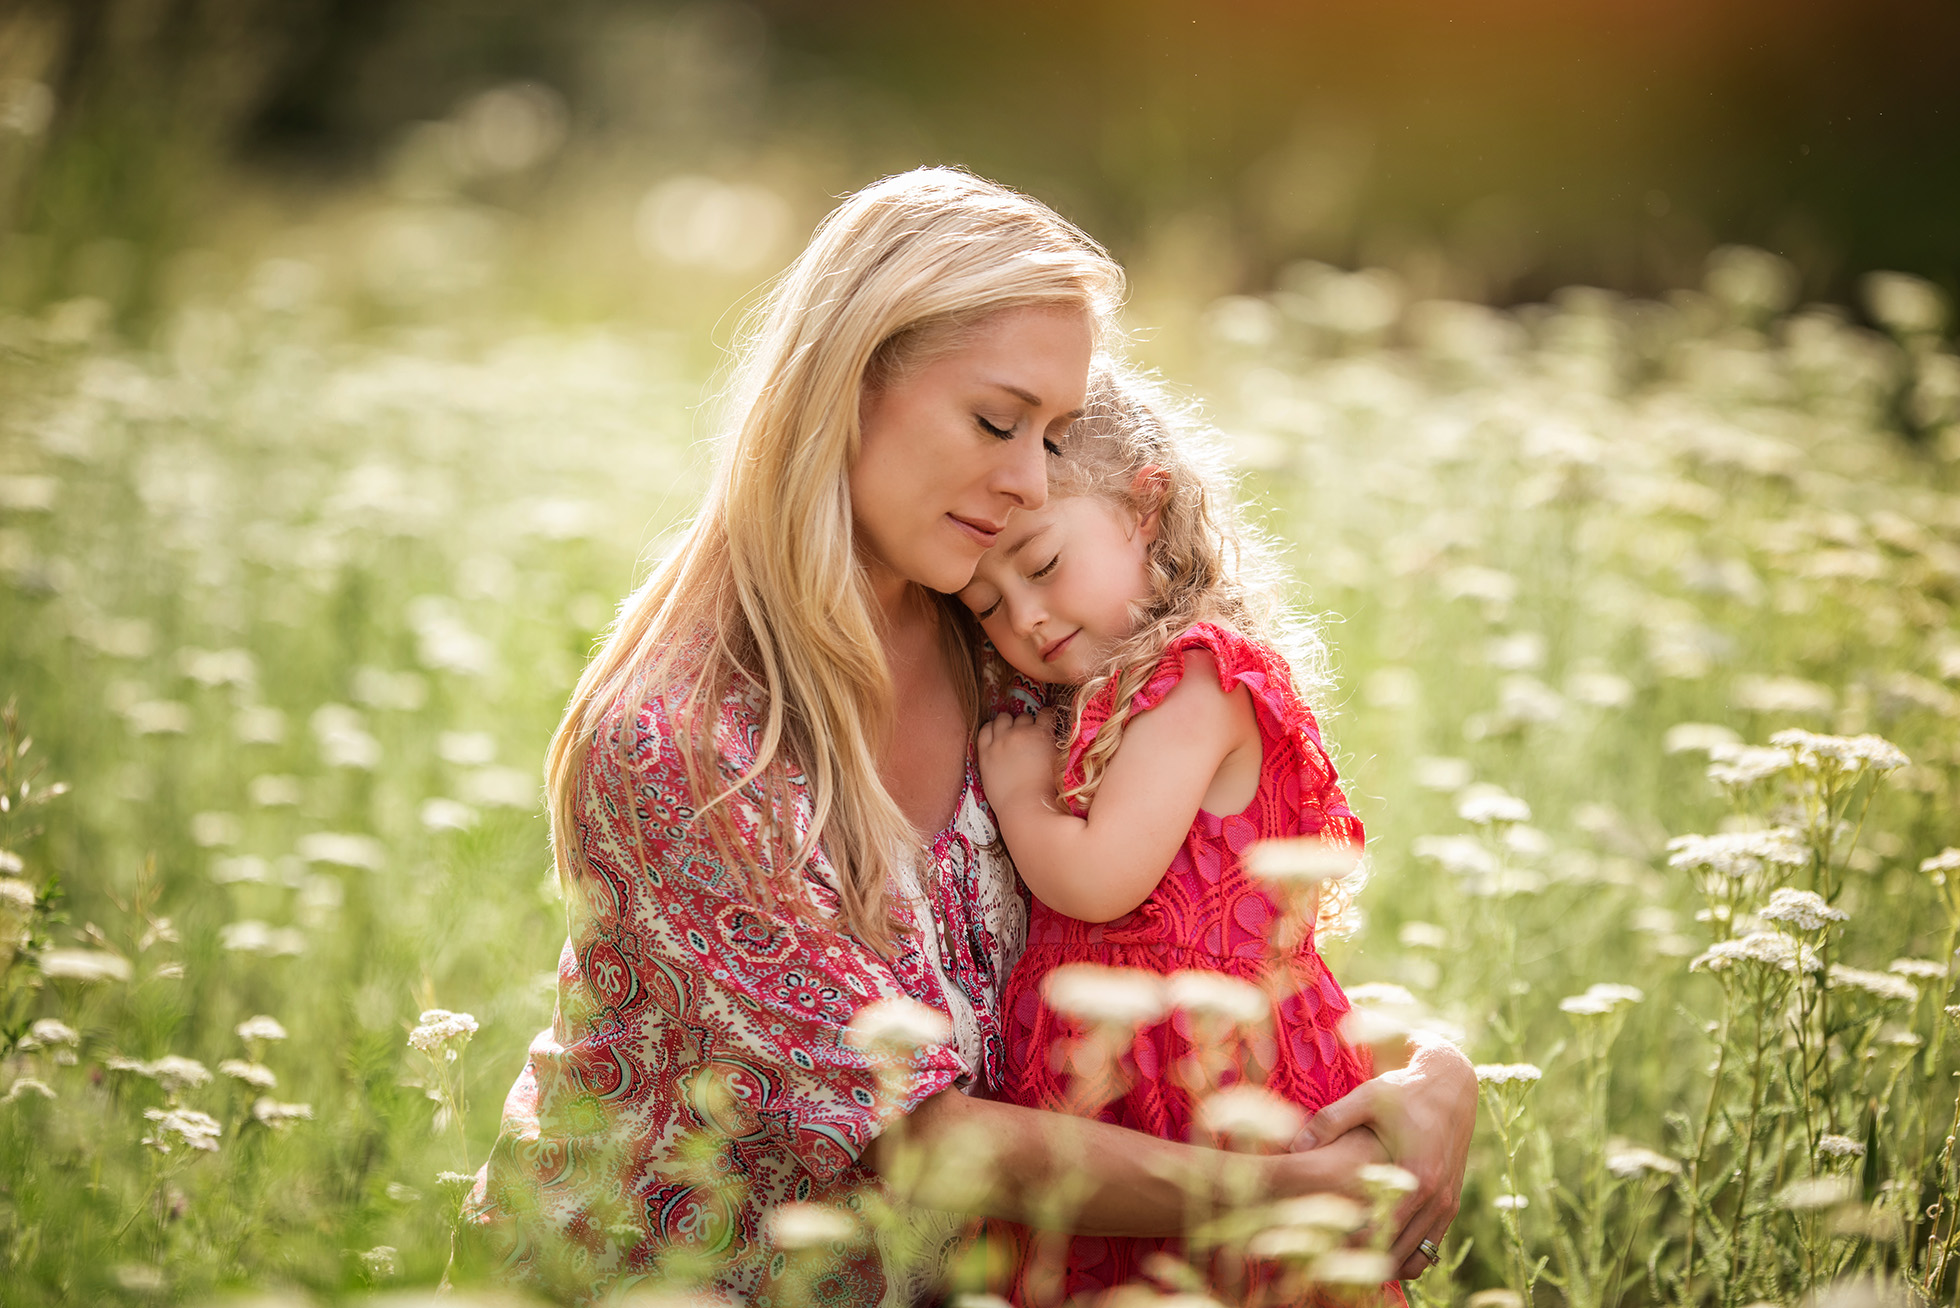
{"x": 1642, "y": 616}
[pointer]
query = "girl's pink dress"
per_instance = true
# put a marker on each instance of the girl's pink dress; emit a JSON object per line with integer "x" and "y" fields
{"x": 1207, "y": 913}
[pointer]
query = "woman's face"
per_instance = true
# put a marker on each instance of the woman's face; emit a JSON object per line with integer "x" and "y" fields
{"x": 954, "y": 446}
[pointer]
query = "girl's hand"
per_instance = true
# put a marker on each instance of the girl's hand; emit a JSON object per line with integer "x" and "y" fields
{"x": 1424, "y": 1114}
{"x": 1017, "y": 758}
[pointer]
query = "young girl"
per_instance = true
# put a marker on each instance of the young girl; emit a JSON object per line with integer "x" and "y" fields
{"x": 1188, "y": 741}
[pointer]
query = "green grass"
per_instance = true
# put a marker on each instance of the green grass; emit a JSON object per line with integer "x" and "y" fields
{"x": 271, "y": 576}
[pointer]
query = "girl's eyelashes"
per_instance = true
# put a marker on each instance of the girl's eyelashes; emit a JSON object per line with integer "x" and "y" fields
{"x": 1044, "y": 569}
{"x": 987, "y": 612}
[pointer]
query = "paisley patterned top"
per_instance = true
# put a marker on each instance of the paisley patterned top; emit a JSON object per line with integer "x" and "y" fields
{"x": 696, "y": 1074}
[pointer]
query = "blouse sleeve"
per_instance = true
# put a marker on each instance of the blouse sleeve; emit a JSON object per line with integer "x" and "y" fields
{"x": 686, "y": 1002}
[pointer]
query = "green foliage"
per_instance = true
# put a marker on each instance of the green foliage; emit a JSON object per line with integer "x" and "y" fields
{"x": 293, "y": 608}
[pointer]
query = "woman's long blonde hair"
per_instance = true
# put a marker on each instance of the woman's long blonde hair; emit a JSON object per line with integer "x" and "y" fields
{"x": 765, "y": 593}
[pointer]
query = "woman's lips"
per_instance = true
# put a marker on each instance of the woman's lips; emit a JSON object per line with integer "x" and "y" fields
{"x": 1048, "y": 655}
{"x": 983, "y": 533}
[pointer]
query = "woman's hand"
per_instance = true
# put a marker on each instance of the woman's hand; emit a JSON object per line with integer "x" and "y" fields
{"x": 1424, "y": 1113}
{"x": 1017, "y": 758}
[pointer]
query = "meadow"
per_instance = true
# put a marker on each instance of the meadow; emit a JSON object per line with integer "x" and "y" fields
{"x": 1645, "y": 683}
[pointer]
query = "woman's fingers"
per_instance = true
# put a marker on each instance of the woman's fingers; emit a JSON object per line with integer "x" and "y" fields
{"x": 1355, "y": 1108}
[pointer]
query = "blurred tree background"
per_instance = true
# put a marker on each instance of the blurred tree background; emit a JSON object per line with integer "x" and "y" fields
{"x": 1491, "y": 151}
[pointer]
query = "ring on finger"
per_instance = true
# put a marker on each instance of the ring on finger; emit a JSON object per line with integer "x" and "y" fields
{"x": 1428, "y": 1249}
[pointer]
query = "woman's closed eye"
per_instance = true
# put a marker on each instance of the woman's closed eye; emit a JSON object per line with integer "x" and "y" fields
{"x": 1007, "y": 434}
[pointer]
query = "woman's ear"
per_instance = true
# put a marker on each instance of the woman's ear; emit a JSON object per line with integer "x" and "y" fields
{"x": 1148, "y": 492}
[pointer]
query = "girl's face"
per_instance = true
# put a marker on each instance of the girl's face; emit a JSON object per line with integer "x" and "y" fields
{"x": 1058, "y": 590}
{"x": 954, "y": 446}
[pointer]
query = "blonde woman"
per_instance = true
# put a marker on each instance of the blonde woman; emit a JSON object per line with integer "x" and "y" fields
{"x": 767, "y": 820}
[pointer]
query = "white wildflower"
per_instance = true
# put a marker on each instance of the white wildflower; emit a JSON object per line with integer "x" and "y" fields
{"x": 343, "y": 738}
{"x": 1628, "y": 1161}
{"x": 1839, "y": 1146}
{"x": 177, "y": 1074}
{"x": 1215, "y": 995}
{"x": 1698, "y": 738}
{"x": 1433, "y": 772}
{"x": 1738, "y": 854}
{"x": 401, "y": 1193}
{"x": 1742, "y": 766}
{"x": 194, "y": 1129}
{"x": 1463, "y": 855}
{"x": 278, "y": 1116}
{"x": 1510, "y": 1203}
{"x": 261, "y": 1028}
{"x": 1600, "y": 999}
{"x": 1423, "y": 935}
{"x": 51, "y": 1033}
{"x": 1879, "y": 985}
{"x": 342, "y": 849}
{"x": 1805, "y": 910}
{"x": 1300, "y": 862}
{"x": 1497, "y": 1298}
{"x": 1351, "y": 1267}
{"x": 1765, "y": 948}
{"x": 810, "y": 1226}
{"x": 11, "y": 864}
{"x": 447, "y": 815}
{"x": 1783, "y": 695}
{"x": 898, "y": 1026}
{"x": 470, "y": 749}
{"x": 1842, "y": 756}
{"x": 252, "y": 936}
{"x": 25, "y": 1086}
{"x": 1327, "y": 1212}
{"x": 1920, "y": 969}
{"x": 159, "y": 717}
{"x": 1947, "y": 860}
{"x": 1105, "y": 996}
{"x": 1506, "y": 1073}
{"x": 216, "y": 830}
{"x": 274, "y": 790}
{"x": 256, "y": 1075}
{"x": 1815, "y": 1192}
{"x": 17, "y": 897}
{"x": 381, "y": 1261}
{"x": 83, "y": 965}
{"x": 1384, "y": 993}
{"x": 441, "y": 1031}
{"x": 1387, "y": 1176}
{"x": 501, "y": 788}
{"x": 1491, "y": 806}
{"x": 1251, "y": 1114}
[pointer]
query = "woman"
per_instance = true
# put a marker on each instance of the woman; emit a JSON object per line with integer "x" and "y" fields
{"x": 766, "y": 818}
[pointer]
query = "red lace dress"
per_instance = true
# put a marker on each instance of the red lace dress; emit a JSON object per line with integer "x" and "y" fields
{"x": 1207, "y": 913}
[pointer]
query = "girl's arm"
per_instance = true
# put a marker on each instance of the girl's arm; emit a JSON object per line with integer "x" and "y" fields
{"x": 1100, "y": 867}
{"x": 1002, "y": 1160}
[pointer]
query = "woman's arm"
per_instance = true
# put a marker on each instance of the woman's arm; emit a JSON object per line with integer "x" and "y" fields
{"x": 1003, "y": 1160}
{"x": 1099, "y": 867}
{"x": 1423, "y": 1113}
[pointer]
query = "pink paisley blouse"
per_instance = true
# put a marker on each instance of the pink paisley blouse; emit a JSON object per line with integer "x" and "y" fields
{"x": 696, "y": 1074}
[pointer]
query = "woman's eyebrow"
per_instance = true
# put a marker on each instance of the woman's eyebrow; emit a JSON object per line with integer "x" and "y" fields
{"x": 1033, "y": 401}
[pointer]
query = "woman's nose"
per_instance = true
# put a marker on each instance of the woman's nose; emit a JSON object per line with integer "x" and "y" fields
{"x": 1024, "y": 475}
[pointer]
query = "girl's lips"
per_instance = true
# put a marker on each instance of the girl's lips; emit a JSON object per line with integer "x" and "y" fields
{"x": 983, "y": 533}
{"x": 1048, "y": 655}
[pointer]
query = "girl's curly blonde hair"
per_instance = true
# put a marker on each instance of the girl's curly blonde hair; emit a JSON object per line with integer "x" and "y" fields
{"x": 1138, "y": 449}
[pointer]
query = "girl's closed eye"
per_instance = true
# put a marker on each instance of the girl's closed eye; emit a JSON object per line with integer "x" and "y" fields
{"x": 1042, "y": 571}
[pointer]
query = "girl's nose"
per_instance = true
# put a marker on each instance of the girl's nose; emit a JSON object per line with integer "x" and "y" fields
{"x": 1024, "y": 615}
